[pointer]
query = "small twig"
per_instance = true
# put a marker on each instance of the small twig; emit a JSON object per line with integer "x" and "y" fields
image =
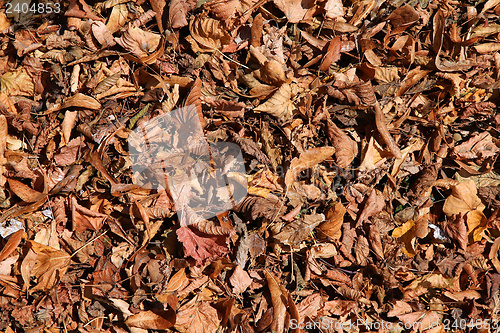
{"x": 384, "y": 132}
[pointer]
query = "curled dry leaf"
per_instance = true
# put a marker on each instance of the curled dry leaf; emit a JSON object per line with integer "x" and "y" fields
{"x": 373, "y": 205}
{"x": 177, "y": 14}
{"x": 298, "y": 230}
{"x": 407, "y": 235}
{"x": 479, "y": 146}
{"x": 102, "y": 34}
{"x": 81, "y": 101}
{"x": 207, "y": 35}
{"x": 3, "y": 148}
{"x": 24, "y": 192}
{"x": 331, "y": 228}
{"x": 346, "y": 149}
{"x": 279, "y": 306}
{"x": 306, "y": 160}
{"x": 139, "y": 42}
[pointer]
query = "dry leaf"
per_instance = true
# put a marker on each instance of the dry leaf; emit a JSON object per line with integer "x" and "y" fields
{"x": 300, "y": 229}
{"x": 207, "y": 35}
{"x": 279, "y": 306}
{"x": 346, "y": 149}
{"x": 407, "y": 235}
{"x": 294, "y": 9}
{"x": 306, "y": 160}
{"x": 156, "y": 320}
{"x": 280, "y": 104}
{"x": 240, "y": 280}
{"x": 197, "y": 317}
{"x": 331, "y": 228}
{"x": 45, "y": 263}
{"x": 200, "y": 246}
{"x": 177, "y": 13}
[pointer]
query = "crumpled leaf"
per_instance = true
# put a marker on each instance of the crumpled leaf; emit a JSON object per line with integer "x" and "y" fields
{"x": 407, "y": 235}
{"x": 139, "y": 42}
{"x": 299, "y": 229}
{"x": 331, "y": 228}
{"x": 207, "y": 35}
{"x": 479, "y": 146}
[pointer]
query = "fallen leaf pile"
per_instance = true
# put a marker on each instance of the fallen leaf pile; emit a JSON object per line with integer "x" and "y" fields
{"x": 370, "y": 199}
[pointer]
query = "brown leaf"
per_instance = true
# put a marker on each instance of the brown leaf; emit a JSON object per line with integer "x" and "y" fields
{"x": 202, "y": 247}
{"x": 177, "y": 13}
{"x": 407, "y": 235}
{"x": 24, "y": 192}
{"x": 240, "y": 280}
{"x": 299, "y": 230}
{"x": 280, "y": 104}
{"x": 156, "y": 320}
{"x": 346, "y": 149}
{"x": 82, "y": 101}
{"x": 479, "y": 146}
{"x": 207, "y": 35}
{"x": 306, "y": 160}
{"x": 84, "y": 218}
{"x": 193, "y": 100}
{"x": 197, "y": 317}
{"x": 331, "y": 228}
{"x": 334, "y": 9}
{"x": 139, "y": 42}
{"x": 177, "y": 282}
{"x": 463, "y": 199}
{"x": 17, "y": 83}
{"x": 279, "y": 306}
{"x": 46, "y": 264}
{"x": 456, "y": 228}
{"x": 295, "y": 9}
{"x": 375, "y": 240}
{"x": 373, "y": 205}
{"x": 12, "y": 244}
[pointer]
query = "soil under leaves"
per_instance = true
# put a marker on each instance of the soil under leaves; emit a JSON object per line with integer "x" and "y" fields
{"x": 369, "y": 133}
